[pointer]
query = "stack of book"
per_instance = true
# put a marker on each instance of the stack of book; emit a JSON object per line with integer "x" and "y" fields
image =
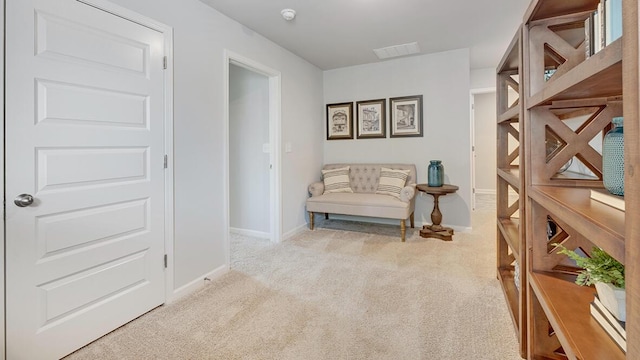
{"x": 603, "y": 26}
{"x": 612, "y": 326}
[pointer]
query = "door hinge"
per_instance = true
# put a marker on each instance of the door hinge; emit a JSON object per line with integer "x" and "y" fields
{"x": 166, "y": 161}
{"x": 164, "y": 62}
{"x": 165, "y": 260}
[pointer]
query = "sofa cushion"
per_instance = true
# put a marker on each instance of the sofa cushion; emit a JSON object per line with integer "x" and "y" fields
{"x": 360, "y": 204}
{"x": 392, "y": 181}
{"x": 336, "y": 180}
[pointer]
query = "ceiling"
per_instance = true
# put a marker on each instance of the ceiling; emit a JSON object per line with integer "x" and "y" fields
{"x": 337, "y": 33}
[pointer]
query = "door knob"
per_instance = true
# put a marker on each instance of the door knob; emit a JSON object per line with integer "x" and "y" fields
{"x": 23, "y": 200}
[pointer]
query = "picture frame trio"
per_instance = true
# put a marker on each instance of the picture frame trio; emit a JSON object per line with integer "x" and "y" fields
{"x": 405, "y": 118}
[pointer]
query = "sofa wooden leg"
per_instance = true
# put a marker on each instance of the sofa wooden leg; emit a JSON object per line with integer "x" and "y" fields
{"x": 310, "y": 220}
{"x": 412, "y": 221}
{"x": 403, "y": 229}
{"x": 326, "y": 216}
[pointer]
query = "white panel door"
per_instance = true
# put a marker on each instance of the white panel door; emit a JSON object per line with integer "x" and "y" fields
{"x": 85, "y": 138}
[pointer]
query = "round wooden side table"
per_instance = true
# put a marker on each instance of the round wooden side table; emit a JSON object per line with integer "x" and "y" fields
{"x": 435, "y": 230}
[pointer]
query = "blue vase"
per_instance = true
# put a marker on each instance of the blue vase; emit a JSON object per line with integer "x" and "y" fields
{"x": 613, "y": 158}
{"x": 435, "y": 173}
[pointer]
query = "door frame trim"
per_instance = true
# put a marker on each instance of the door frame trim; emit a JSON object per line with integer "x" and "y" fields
{"x": 275, "y": 141}
{"x": 169, "y": 227}
{"x": 3, "y": 338}
{"x": 472, "y": 118}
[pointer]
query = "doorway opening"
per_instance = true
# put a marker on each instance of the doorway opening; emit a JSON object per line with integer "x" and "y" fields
{"x": 483, "y": 146}
{"x": 253, "y": 147}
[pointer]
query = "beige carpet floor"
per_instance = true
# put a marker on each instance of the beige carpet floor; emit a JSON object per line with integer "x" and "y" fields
{"x": 345, "y": 291}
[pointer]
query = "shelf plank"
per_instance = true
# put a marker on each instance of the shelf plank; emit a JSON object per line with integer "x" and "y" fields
{"x": 597, "y": 77}
{"x": 567, "y": 308}
{"x": 511, "y": 115}
{"x": 509, "y": 228}
{"x": 541, "y": 9}
{"x": 602, "y": 224}
{"x": 511, "y": 175}
{"x": 511, "y": 294}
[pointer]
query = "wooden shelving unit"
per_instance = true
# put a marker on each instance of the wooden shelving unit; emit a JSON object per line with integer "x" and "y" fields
{"x": 569, "y": 110}
{"x": 572, "y": 324}
{"x": 510, "y": 182}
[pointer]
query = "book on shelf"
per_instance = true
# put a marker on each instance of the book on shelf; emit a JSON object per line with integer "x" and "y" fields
{"x": 603, "y": 26}
{"x": 605, "y": 197}
{"x": 600, "y": 318}
{"x": 613, "y": 20}
{"x": 588, "y": 36}
{"x": 620, "y": 326}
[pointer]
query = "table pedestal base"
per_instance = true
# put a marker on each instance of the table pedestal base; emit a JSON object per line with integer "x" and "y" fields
{"x": 437, "y": 231}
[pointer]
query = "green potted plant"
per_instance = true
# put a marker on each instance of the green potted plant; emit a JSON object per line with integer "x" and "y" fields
{"x": 606, "y": 273}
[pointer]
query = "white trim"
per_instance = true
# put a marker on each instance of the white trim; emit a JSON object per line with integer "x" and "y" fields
{"x": 483, "y": 90}
{"x": 472, "y": 131}
{"x": 251, "y": 233}
{"x": 169, "y": 174}
{"x": 167, "y": 33}
{"x": 275, "y": 123}
{"x": 486, "y": 191}
{"x": 364, "y": 219}
{"x": 275, "y": 132}
{"x": 198, "y": 283}
{"x": 2, "y": 254}
{"x": 127, "y": 14}
{"x": 387, "y": 221}
{"x": 472, "y": 94}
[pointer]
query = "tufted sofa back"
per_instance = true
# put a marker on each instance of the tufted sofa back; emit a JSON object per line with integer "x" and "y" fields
{"x": 364, "y": 178}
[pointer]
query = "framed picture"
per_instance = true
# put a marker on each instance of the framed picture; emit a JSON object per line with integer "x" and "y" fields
{"x": 371, "y": 119}
{"x": 339, "y": 121}
{"x": 406, "y": 116}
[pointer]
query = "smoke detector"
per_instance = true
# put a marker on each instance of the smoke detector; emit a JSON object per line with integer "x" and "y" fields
{"x": 288, "y": 14}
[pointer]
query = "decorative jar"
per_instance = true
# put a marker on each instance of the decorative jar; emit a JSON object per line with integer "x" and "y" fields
{"x": 613, "y": 298}
{"x": 435, "y": 173}
{"x": 613, "y": 158}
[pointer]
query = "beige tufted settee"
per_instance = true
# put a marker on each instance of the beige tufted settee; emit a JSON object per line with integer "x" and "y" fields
{"x": 363, "y": 180}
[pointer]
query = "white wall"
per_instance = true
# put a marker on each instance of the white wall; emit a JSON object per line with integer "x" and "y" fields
{"x": 248, "y": 164}
{"x": 200, "y": 36}
{"x": 443, "y": 80}
{"x": 483, "y": 78}
{"x": 485, "y": 141}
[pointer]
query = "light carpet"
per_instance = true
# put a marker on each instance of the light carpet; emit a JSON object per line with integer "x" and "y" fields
{"x": 344, "y": 291}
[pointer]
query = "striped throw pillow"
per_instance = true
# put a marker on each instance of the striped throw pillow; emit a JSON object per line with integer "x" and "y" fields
{"x": 392, "y": 181}
{"x": 336, "y": 180}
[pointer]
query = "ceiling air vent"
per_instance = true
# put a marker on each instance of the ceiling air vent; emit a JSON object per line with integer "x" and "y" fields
{"x": 397, "y": 50}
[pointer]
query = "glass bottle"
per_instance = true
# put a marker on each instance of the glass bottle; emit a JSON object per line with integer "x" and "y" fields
{"x": 613, "y": 158}
{"x": 435, "y": 173}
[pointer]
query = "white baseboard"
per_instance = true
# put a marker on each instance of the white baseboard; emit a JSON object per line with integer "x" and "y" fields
{"x": 485, "y": 191}
{"x": 198, "y": 283}
{"x": 386, "y": 221}
{"x": 252, "y": 233}
{"x": 365, "y": 219}
{"x": 294, "y": 232}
